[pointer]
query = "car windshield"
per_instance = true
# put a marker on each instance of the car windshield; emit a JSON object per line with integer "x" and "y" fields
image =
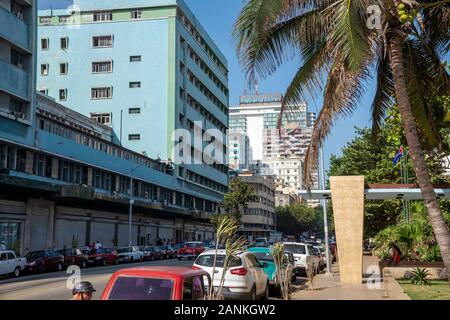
{"x": 101, "y": 250}
{"x": 163, "y": 248}
{"x": 263, "y": 256}
{"x": 295, "y": 248}
{"x": 149, "y": 249}
{"x": 35, "y": 255}
{"x": 133, "y": 288}
{"x": 124, "y": 250}
{"x": 207, "y": 260}
{"x": 193, "y": 245}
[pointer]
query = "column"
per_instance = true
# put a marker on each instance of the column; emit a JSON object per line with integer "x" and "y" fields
{"x": 348, "y": 209}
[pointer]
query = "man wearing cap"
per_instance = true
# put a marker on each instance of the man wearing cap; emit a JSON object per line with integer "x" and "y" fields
{"x": 83, "y": 291}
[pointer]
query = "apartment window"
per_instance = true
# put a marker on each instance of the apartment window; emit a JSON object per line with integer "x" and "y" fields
{"x": 134, "y": 110}
{"x": 102, "y": 41}
{"x": 45, "y": 43}
{"x": 103, "y": 118}
{"x": 44, "y": 69}
{"x": 63, "y": 94}
{"x": 103, "y": 16}
{"x": 136, "y": 14}
{"x": 134, "y": 137}
{"x": 45, "y": 20}
{"x": 135, "y": 58}
{"x": 63, "y": 68}
{"x": 44, "y": 91}
{"x": 135, "y": 84}
{"x": 16, "y": 58}
{"x": 101, "y": 93}
{"x": 102, "y": 67}
{"x": 64, "y": 43}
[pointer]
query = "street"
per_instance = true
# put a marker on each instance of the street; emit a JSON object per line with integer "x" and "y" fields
{"x": 52, "y": 286}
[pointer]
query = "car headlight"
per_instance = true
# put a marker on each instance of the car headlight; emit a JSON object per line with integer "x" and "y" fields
{"x": 32, "y": 263}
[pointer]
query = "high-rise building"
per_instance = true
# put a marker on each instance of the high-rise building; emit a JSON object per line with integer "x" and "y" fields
{"x": 17, "y": 65}
{"x": 240, "y": 154}
{"x": 258, "y": 113}
{"x": 145, "y": 68}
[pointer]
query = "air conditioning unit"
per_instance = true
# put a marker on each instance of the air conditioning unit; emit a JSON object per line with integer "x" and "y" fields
{"x": 21, "y": 115}
{"x": 146, "y": 195}
{"x": 114, "y": 193}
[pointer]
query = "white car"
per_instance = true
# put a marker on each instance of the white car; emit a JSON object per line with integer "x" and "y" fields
{"x": 10, "y": 264}
{"x": 244, "y": 280}
{"x": 130, "y": 254}
{"x": 303, "y": 254}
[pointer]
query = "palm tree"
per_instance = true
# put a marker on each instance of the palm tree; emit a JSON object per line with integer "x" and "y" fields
{"x": 342, "y": 49}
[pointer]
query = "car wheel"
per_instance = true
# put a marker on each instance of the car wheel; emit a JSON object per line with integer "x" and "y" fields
{"x": 104, "y": 262}
{"x": 131, "y": 260}
{"x": 180, "y": 259}
{"x": 41, "y": 268}
{"x": 253, "y": 294}
{"x": 16, "y": 272}
{"x": 60, "y": 266}
{"x": 83, "y": 265}
{"x": 266, "y": 292}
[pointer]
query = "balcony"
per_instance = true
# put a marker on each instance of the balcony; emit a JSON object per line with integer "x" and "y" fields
{"x": 14, "y": 30}
{"x": 14, "y": 80}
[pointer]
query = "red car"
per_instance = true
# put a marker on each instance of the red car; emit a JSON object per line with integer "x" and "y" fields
{"x": 191, "y": 250}
{"x": 103, "y": 257}
{"x": 157, "y": 283}
{"x": 44, "y": 260}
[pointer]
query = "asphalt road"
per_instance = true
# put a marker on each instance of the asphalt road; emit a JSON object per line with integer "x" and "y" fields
{"x": 53, "y": 285}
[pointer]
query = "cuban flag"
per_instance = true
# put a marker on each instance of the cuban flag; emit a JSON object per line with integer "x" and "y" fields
{"x": 399, "y": 156}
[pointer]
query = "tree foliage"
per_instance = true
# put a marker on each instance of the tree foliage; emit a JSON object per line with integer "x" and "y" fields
{"x": 295, "y": 219}
{"x": 237, "y": 198}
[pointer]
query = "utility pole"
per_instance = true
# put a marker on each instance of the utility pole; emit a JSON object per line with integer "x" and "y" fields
{"x": 325, "y": 215}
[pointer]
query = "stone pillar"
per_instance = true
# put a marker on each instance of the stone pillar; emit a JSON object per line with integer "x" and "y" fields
{"x": 51, "y": 224}
{"x": 90, "y": 177}
{"x": 348, "y": 209}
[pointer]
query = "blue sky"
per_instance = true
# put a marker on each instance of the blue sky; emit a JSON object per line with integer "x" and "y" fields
{"x": 218, "y": 16}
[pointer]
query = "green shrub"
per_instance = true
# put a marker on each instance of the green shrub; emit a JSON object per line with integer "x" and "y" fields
{"x": 419, "y": 277}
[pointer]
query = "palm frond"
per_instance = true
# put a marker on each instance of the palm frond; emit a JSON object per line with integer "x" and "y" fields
{"x": 343, "y": 91}
{"x": 349, "y": 36}
{"x": 265, "y": 40}
{"x": 309, "y": 79}
{"x": 384, "y": 93}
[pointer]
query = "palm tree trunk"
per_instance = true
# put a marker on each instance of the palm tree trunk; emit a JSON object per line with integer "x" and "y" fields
{"x": 415, "y": 150}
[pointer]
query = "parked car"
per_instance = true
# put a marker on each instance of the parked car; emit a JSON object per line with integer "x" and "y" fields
{"x": 245, "y": 278}
{"x": 102, "y": 256}
{"x": 323, "y": 256}
{"x": 10, "y": 264}
{"x": 291, "y": 261}
{"x": 44, "y": 260}
{"x": 168, "y": 252}
{"x": 320, "y": 260}
{"x": 74, "y": 257}
{"x": 191, "y": 250}
{"x": 264, "y": 256}
{"x": 261, "y": 242}
{"x": 152, "y": 253}
{"x": 303, "y": 255}
{"x": 130, "y": 254}
{"x": 157, "y": 283}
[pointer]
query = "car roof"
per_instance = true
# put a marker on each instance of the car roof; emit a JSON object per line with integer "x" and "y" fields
{"x": 161, "y": 271}
{"x": 220, "y": 252}
{"x": 297, "y": 243}
{"x": 259, "y": 250}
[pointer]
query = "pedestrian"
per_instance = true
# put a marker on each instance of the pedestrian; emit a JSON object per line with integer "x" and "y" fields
{"x": 83, "y": 291}
{"x": 92, "y": 246}
{"x": 3, "y": 246}
{"x": 396, "y": 253}
{"x": 98, "y": 245}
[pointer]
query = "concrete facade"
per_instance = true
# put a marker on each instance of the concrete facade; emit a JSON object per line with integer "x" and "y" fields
{"x": 348, "y": 209}
{"x": 159, "y": 69}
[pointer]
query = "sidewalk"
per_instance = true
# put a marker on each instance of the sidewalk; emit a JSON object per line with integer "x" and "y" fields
{"x": 330, "y": 288}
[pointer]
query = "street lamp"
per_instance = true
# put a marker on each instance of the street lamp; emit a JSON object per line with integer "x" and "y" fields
{"x": 130, "y": 216}
{"x": 325, "y": 216}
